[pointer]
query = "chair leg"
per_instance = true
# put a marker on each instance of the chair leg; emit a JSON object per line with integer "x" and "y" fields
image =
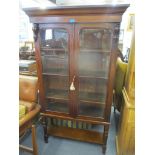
{"x": 45, "y": 129}
{"x": 34, "y": 142}
{"x": 114, "y": 110}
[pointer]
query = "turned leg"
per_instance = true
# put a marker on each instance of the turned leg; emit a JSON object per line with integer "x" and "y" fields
{"x": 34, "y": 141}
{"x": 105, "y": 137}
{"x": 114, "y": 109}
{"x": 45, "y": 129}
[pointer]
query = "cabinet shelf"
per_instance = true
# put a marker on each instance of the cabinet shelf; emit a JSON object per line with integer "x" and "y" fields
{"x": 87, "y": 98}
{"x": 57, "y": 99}
{"x": 92, "y": 102}
{"x": 54, "y": 56}
{"x": 94, "y": 77}
{"x": 96, "y": 51}
{"x": 83, "y": 74}
{"x": 65, "y": 75}
{"x": 91, "y": 97}
{"x": 55, "y": 72}
{"x": 52, "y": 74}
{"x": 97, "y": 74}
{"x": 57, "y": 95}
{"x": 53, "y": 49}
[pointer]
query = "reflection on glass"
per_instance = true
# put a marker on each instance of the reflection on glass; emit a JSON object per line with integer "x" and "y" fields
{"x": 95, "y": 39}
{"x": 92, "y": 89}
{"x": 58, "y": 106}
{"x": 93, "y": 65}
{"x": 56, "y": 91}
{"x": 48, "y": 34}
{"x": 92, "y": 94}
{"x": 54, "y": 51}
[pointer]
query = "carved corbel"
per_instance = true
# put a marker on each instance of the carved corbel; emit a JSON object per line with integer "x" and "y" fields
{"x": 116, "y": 31}
{"x": 35, "y": 30}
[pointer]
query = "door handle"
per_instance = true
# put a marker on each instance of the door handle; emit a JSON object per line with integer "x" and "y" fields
{"x": 72, "y": 87}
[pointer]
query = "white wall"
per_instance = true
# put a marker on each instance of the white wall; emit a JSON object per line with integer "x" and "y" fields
{"x": 124, "y": 26}
{"x": 25, "y": 28}
{"x": 90, "y": 2}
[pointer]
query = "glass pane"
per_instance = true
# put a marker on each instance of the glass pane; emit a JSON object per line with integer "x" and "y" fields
{"x": 92, "y": 94}
{"x": 93, "y": 65}
{"x": 54, "y": 53}
{"x": 95, "y": 39}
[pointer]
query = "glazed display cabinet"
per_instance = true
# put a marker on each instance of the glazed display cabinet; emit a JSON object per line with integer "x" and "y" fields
{"x": 76, "y": 51}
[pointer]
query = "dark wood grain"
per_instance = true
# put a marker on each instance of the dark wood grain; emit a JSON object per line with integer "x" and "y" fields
{"x": 45, "y": 121}
{"x": 34, "y": 141}
{"x": 73, "y": 20}
{"x": 77, "y": 134}
{"x": 39, "y": 70}
{"x": 77, "y": 18}
{"x": 105, "y": 137}
{"x": 87, "y": 119}
{"x": 80, "y": 10}
{"x": 72, "y": 74}
{"x": 111, "y": 75}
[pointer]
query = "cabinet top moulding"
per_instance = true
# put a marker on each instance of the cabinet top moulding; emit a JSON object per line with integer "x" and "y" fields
{"x": 50, "y": 13}
{"x": 77, "y": 10}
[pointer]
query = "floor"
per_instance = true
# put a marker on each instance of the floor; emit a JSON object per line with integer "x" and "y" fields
{"x": 59, "y": 146}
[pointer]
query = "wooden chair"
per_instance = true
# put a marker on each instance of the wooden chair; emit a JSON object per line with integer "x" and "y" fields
{"x": 28, "y": 87}
{"x": 34, "y": 149}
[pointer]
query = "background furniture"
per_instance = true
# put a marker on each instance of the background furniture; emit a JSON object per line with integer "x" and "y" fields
{"x": 76, "y": 51}
{"x": 29, "y": 109}
{"x": 121, "y": 68}
{"x": 34, "y": 149}
{"x": 27, "y": 67}
{"x": 125, "y": 139}
{"x": 26, "y": 51}
{"x": 29, "y": 44}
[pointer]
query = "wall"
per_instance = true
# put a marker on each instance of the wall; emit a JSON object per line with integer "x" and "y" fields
{"x": 127, "y": 33}
{"x": 25, "y": 28}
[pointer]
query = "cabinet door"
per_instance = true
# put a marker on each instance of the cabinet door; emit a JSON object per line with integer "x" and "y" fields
{"x": 55, "y": 52}
{"x": 93, "y": 44}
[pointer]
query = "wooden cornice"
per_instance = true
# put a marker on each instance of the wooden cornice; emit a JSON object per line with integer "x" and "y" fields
{"x": 77, "y": 10}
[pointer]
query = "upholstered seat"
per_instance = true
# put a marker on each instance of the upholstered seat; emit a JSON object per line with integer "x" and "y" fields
{"x": 22, "y": 111}
{"x": 28, "y": 88}
{"x": 29, "y": 105}
{"x": 121, "y": 68}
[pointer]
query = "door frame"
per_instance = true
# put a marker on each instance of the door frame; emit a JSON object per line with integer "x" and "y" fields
{"x": 108, "y": 101}
{"x": 69, "y": 28}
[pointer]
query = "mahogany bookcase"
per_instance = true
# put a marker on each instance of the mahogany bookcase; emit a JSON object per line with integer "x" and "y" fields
{"x": 76, "y": 50}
